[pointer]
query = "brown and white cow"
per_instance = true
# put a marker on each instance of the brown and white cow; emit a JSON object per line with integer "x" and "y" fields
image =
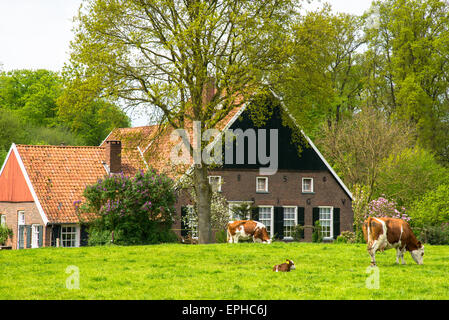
{"x": 386, "y": 233}
{"x": 247, "y": 229}
{"x": 285, "y": 267}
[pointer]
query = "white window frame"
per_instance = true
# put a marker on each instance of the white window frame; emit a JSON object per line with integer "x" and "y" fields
{"x": 331, "y": 237}
{"x": 219, "y": 182}
{"x": 34, "y": 236}
{"x": 272, "y": 218}
{"x": 266, "y": 185}
{"x": 77, "y": 235}
{"x": 236, "y": 203}
{"x": 311, "y": 185}
{"x": 295, "y": 219}
{"x": 3, "y": 219}
{"x": 20, "y": 214}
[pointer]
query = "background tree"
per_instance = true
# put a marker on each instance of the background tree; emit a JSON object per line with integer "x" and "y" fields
{"x": 408, "y": 175}
{"x": 321, "y": 81}
{"x": 407, "y": 67}
{"x": 36, "y": 108}
{"x": 357, "y": 147}
{"x": 163, "y": 54}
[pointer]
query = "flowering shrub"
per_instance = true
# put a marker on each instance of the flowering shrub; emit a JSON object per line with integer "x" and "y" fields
{"x": 5, "y": 233}
{"x": 346, "y": 237}
{"x": 140, "y": 210}
{"x": 385, "y": 208}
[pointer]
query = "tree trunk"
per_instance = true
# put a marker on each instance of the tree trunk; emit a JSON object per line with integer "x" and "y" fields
{"x": 204, "y": 194}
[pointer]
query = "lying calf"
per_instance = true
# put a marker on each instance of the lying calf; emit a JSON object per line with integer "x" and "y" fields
{"x": 285, "y": 267}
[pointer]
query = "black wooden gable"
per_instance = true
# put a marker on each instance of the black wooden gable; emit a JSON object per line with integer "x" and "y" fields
{"x": 288, "y": 156}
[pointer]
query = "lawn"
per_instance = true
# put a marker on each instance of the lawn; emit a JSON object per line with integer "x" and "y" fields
{"x": 221, "y": 271}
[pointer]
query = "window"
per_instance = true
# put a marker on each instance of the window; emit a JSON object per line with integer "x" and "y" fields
{"x": 289, "y": 221}
{"x": 192, "y": 222}
{"x": 326, "y": 222}
{"x": 261, "y": 184}
{"x": 69, "y": 236}
{"x": 21, "y": 218}
{"x": 35, "y": 236}
{"x": 266, "y": 217}
{"x": 307, "y": 185}
{"x": 215, "y": 182}
{"x": 3, "y": 220}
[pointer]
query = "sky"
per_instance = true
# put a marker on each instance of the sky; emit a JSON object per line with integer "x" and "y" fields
{"x": 35, "y": 34}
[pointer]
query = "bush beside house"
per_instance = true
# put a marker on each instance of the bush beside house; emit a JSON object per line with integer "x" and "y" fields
{"x": 129, "y": 210}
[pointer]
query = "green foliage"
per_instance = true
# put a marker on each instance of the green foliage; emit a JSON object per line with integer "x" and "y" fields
{"x": 221, "y": 236}
{"x": 13, "y": 128}
{"x": 298, "y": 233}
{"x": 432, "y": 209}
{"x": 346, "y": 237}
{"x": 35, "y": 108}
{"x": 32, "y": 94}
{"x": 360, "y": 209}
{"x": 89, "y": 117}
{"x": 322, "y": 79}
{"x": 407, "y": 68}
{"x": 317, "y": 235}
{"x": 99, "y": 237}
{"x": 432, "y": 234}
{"x": 139, "y": 210}
{"x": 5, "y": 234}
{"x": 410, "y": 174}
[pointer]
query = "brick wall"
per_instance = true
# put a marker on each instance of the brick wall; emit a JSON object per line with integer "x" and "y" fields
{"x": 32, "y": 216}
{"x": 284, "y": 189}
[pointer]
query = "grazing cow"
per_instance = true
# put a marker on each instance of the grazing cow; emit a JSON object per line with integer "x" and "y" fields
{"x": 386, "y": 233}
{"x": 247, "y": 229}
{"x": 285, "y": 267}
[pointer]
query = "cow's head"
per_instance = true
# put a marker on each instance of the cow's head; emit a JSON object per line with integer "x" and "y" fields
{"x": 291, "y": 263}
{"x": 418, "y": 254}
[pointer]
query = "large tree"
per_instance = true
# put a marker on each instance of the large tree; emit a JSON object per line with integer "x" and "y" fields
{"x": 162, "y": 54}
{"x": 407, "y": 67}
{"x": 321, "y": 81}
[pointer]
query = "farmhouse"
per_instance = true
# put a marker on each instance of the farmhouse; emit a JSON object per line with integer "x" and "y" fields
{"x": 39, "y": 184}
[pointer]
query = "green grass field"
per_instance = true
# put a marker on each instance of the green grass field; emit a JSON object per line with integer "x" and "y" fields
{"x": 221, "y": 271}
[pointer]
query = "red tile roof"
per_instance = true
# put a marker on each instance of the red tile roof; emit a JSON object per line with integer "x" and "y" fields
{"x": 156, "y": 146}
{"x": 59, "y": 175}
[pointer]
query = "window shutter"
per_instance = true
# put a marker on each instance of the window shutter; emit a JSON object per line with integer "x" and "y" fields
{"x": 55, "y": 234}
{"x": 184, "y": 231}
{"x": 255, "y": 214}
{"x": 28, "y": 231}
{"x": 336, "y": 222}
{"x": 315, "y": 215}
{"x": 301, "y": 220}
{"x": 21, "y": 237}
{"x": 279, "y": 222}
{"x": 40, "y": 236}
{"x": 84, "y": 236}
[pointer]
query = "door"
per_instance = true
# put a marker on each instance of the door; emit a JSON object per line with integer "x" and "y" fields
{"x": 20, "y": 229}
{"x": 35, "y": 236}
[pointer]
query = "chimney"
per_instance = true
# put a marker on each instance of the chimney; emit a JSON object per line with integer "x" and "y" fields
{"x": 209, "y": 90}
{"x": 113, "y": 156}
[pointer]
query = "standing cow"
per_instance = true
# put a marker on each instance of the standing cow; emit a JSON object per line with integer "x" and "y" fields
{"x": 247, "y": 229}
{"x": 386, "y": 233}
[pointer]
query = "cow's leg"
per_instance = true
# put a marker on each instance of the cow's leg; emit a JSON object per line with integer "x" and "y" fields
{"x": 402, "y": 255}
{"x": 372, "y": 251}
{"x": 229, "y": 237}
{"x": 398, "y": 254}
